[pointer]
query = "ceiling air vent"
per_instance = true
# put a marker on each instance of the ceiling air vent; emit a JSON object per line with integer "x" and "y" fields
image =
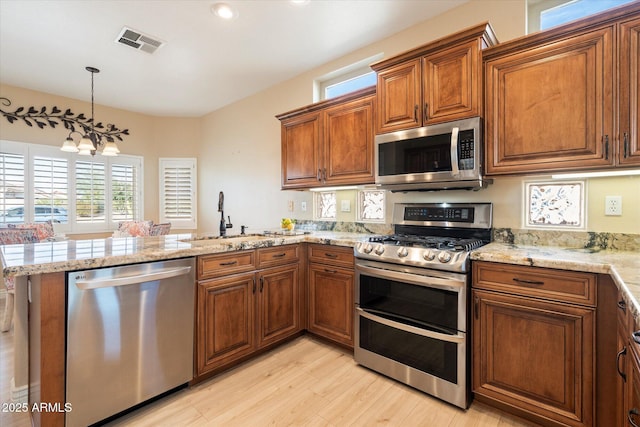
{"x": 138, "y": 40}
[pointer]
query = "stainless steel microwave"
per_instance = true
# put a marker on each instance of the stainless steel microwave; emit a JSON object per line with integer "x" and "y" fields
{"x": 438, "y": 157}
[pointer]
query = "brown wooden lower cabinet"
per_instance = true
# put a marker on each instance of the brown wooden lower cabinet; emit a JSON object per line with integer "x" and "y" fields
{"x": 225, "y": 325}
{"x": 239, "y": 314}
{"x": 331, "y": 302}
{"x": 278, "y": 304}
{"x": 536, "y": 356}
{"x": 534, "y": 342}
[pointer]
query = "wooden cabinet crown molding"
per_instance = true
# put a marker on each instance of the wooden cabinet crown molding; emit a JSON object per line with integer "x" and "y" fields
{"x": 483, "y": 30}
{"x": 321, "y": 105}
{"x": 561, "y": 32}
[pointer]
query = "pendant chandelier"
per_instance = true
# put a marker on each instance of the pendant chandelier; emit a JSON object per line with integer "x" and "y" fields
{"x": 91, "y": 141}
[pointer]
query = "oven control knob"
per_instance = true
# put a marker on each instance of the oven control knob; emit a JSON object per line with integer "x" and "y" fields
{"x": 429, "y": 256}
{"x": 403, "y": 252}
{"x": 444, "y": 257}
{"x": 379, "y": 250}
{"x": 367, "y": 249}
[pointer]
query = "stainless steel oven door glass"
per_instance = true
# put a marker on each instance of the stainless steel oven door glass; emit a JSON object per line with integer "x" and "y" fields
{"x": 425, "y": 346}
{"x": 435, "y": 300}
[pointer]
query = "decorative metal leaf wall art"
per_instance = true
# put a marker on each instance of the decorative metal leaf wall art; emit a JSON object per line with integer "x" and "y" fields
{"x": 42, "y": 118}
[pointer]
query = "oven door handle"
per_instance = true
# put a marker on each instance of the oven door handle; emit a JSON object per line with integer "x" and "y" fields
{"x": 459, "y": 339}
{"x": 400, "y": 276}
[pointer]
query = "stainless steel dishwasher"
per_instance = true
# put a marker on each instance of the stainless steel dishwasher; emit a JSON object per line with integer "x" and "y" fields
{"x": 129, "y": 336}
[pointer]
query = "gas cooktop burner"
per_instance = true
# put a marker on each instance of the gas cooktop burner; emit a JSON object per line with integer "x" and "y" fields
{"x": 432, "y": 242}
{"x": 437, "y": 236}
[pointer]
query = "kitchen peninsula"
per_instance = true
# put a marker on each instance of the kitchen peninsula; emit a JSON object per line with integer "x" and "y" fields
{"x": 45, "y": 264}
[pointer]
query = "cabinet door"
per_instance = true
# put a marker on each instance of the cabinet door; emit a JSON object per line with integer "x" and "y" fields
{"x": 399, "y": 97}
{"x": 225, "y": 330}
{"x": 622, "y": 367}
{"x": 534, "y": 355}
{"x": 301, "y": 138}
{"x": 451, "y": 81}
{"x": 278, "y": 304}
{"x": 551, "y": 107}
{"x": 629, "y": 92}
{"x": 331, "y": 302}
{"x": 632, "y": 402}
{"x": 348, "y": 146}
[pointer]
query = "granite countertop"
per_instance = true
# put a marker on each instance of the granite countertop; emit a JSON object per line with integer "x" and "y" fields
{"x": 69, "y": 255}
{"x": 622, "y": 266}
{"x": 48, "y": 257}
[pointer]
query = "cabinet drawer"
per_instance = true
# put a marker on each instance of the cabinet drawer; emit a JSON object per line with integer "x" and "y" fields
{"x": 334, "y": 255}
{"x": 279, "y": 255}
{"x": 557, "y": 285}
{"x": 223, "y": 264}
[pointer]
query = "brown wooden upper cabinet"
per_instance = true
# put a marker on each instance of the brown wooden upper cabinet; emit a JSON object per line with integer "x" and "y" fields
{"x": 550, "y": 98}
{"x": 330, "y": 142}
{"x": 438, "y": 82}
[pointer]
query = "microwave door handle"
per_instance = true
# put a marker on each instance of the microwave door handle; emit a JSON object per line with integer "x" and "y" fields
{"x": 455, "y": 171}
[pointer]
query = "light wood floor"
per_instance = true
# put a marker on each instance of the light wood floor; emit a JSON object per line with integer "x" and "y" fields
{"x": 303, "y": 383}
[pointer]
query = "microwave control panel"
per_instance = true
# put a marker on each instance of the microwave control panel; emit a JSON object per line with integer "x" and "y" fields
{"x": 466, "y": 151}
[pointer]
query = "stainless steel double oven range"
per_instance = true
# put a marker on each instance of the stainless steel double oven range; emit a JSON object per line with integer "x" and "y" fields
{"x": 412, "y": 294}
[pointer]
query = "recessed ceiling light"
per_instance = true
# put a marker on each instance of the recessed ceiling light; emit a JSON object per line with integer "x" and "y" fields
{"x": 299, "y": 2}
{"x": 224, "y": 11}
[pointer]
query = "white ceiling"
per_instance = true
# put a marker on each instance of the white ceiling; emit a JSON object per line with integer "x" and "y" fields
{"x": 206, "y": 62}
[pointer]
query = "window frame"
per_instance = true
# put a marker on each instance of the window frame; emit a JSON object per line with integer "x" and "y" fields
{"x": 342, "y": 75}
{"x": 30, "y": 151}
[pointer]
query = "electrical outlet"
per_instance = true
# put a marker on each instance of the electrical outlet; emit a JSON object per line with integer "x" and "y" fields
{"x": 345, "y": 205}
{"x": 303, "y": 206}
{"x": 613, "y": 205}
{"x": 290, "y": 204}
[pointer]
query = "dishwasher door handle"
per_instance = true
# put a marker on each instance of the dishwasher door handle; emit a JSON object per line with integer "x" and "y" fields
{"x": 131, "y": 280}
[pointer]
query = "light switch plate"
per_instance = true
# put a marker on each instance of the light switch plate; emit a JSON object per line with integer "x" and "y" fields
{"x": 303, "y": 206}
{"x": 345, "y": 205}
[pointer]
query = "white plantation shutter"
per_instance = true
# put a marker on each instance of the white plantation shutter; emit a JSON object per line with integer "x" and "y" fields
{"x": 90, "y": 197}
{"x": 50, "y": 187}
{"x": 125, "y": 205}
{"x": 178, "y": 192}
{"x": 12, "y": 187}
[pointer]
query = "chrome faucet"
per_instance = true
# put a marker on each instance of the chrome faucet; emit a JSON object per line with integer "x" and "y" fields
{"x": 223, "y": 225}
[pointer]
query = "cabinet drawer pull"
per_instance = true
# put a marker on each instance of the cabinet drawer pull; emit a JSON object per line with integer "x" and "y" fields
{"x": 528, "y": 282}
{"x": 476, "y": 307}
{"x": 326, "y": 270}
{"x": 319, "y": 176}
{"x": 636, "y": 337}
{"x": 632, "y": 411}
{"x": 254, "y": 285}
{"x": 415, "y": 113}
{"x": 426, "y": 112}
{"x": 606, "y": 147}
{"x": 261, "y": 283}
{"x": 329, "y": 255}
{"x": 229, "y": 263}
{"x": 279, "y": 255}
{"x": 620, "y": 354}
{"x": 622, "y": 306}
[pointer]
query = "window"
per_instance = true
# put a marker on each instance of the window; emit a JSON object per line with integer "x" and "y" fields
{"x": 178, "y": 192}
{"x": 543, "y": 14}
{"x": 555, "y": 205}
{"x": 348, "y": 79}
{"x": 371, "y": 204}
{"x": 84, "y": 194}
{"x": 324, "y": 205}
